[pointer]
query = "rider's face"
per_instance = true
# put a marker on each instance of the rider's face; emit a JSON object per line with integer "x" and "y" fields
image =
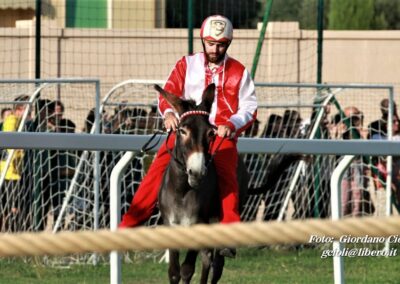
{"x": 215, "y": 51}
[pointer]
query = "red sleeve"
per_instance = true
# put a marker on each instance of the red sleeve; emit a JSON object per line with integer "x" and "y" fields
{"x": 174, "y": 85}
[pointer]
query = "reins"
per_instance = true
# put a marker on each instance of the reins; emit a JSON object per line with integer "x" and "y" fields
{"x": 147, "y": 148}
{"x": 215, "y": 151}
{"x": 172, "y": 154}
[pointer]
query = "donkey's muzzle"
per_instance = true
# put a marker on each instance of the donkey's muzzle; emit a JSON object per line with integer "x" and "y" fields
{"x": 196, "y": 168}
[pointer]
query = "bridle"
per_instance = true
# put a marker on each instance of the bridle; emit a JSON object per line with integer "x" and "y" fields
{"x": 193, "y": 112}
{"x": 182, "y": 117}
{"x": 186, "y": 114}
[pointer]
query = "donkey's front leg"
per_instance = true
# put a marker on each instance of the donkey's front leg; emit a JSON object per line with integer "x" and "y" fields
{"x": 173, "y": 270}
{"x": 206, "y": 261}
{"x": 218, "y": 266}
{"x": 188, "y": 266}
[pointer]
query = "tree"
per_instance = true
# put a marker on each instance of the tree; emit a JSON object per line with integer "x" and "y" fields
{"x": 351, "y": 15}
{"x": 285, "y": 10}
{"x": 308, "y": 14}
{"x": 242, "y": 13}
{"x": 387, "y": 15}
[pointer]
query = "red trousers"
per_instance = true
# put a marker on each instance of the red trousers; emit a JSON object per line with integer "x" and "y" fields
{"x": 145, "y": 197}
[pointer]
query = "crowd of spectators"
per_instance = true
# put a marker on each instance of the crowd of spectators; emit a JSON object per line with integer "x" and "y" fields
{"x": 36, "y": 181}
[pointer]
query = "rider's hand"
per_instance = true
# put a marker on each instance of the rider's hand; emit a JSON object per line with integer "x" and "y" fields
{"x": 170, "y": 121}
{"x": 224, "y": 131}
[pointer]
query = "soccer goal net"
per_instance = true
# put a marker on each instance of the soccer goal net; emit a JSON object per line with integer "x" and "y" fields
{"x": 33, "y": 182}
{"x": 298, "y": 186}
{"x": 58, "y": 190}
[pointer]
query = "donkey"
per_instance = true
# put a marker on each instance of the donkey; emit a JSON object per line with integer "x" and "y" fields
{"x": 189, "y": 193}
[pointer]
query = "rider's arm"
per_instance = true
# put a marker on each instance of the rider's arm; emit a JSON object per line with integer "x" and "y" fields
{"x": 247, "y": 110}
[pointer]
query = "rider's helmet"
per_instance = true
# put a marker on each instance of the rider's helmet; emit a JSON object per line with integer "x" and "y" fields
{"x": 217, "y": 28}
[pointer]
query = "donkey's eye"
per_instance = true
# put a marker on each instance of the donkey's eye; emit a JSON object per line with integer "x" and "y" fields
{"x": 211, "y": 133}
{"x": 182, "y": 131}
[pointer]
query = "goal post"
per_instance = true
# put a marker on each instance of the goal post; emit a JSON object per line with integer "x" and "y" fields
{"x": 32, "y": 183}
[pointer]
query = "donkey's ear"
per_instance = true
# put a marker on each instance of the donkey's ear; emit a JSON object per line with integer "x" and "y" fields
{"x": 208, "y": 97}
{"x": 174, "y": 101}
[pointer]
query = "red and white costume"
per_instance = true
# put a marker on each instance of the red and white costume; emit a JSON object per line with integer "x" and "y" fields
{"x": 234, "y": 105}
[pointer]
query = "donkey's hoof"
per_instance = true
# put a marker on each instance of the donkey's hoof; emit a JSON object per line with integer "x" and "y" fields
{"x": 174, "y": 279}
{"x": 228, "y": 252}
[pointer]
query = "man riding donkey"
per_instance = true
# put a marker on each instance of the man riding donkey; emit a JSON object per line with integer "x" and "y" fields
{"x": 233, "y": 110}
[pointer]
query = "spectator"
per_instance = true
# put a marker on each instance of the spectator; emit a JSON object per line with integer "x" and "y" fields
{"x": 62, "y": 161}
{"x": 336, "y": 127}
{"x": 270, "y": 164}
{"x": 325, "y": 126}
{"x": 291, "y": 123}
{"x": 132, "y": 121}
{"x": 273, "y": 128}
{"x": 312, "y": 198}
{"x": 378, "y": 128}
{"x": 356, "y": 200}
{"x": 353, "y": 123}
{"x": 10, "y": 124}
{"x": 120, "y": 120}
{"x": 5, "y": 112}
{"x": 11, "y": 192}
{"x": 379, "y": 166}
{"x": 157, "y": 121}
{"x": 142, "y": 122}
{"x": 56, "y": 120}
{"x": 41, "y": 164}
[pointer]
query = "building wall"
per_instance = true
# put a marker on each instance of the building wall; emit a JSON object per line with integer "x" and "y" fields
{"x": 362, "y": 56}
{"x": 137, "y": 14}
{"x": 123, "y": 14}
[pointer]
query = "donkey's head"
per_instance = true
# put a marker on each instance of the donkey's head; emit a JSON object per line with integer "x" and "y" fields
{"x": 194, "y": 133}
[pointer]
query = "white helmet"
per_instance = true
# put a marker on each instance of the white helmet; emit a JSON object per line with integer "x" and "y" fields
{"x": 217, "y": 28}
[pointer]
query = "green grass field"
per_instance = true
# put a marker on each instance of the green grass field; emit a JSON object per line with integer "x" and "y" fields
{"x": 250, "y": 266}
